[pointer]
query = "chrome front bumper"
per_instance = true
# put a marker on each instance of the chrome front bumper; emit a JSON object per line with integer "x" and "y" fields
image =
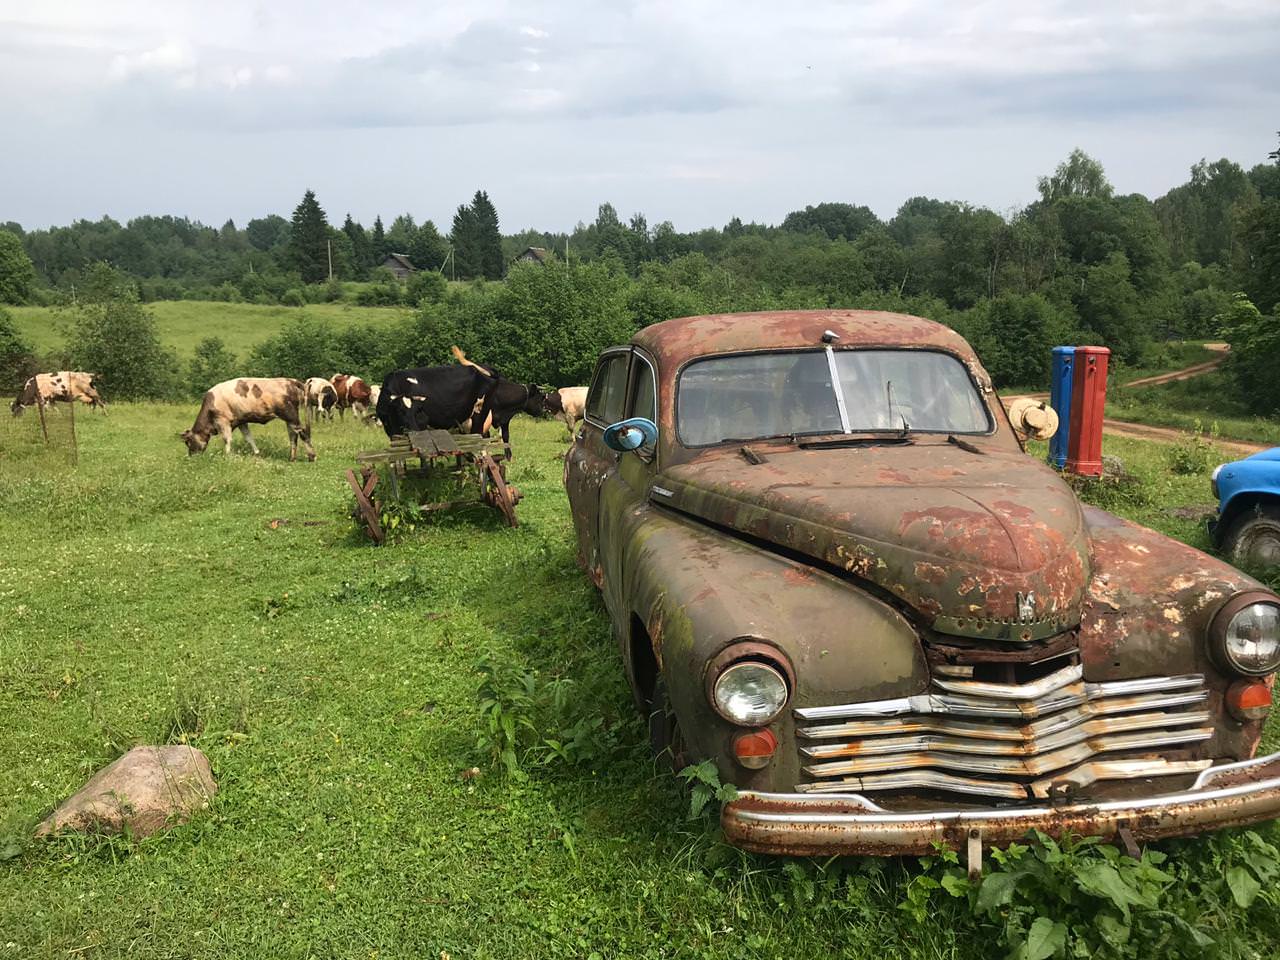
{"x": 800, "y": 824}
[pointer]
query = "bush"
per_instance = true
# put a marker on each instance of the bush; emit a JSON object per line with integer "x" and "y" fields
{"x": 16, "y": 271}
{"x": 333, "y": 291}
{"x": 426, "y": 286}
{"x": 16, "y": 359}
{"x": 384, "y": 291}
{"x": 113, "y": 336}
{"x": 1014, "y": 335}
{"x": 1194, "y": 454}
{"x": 293, "y": 298}
{"x": 1255, "y": 344}
{"x": 306, "y": 347}
{"x": 211, "y": 363}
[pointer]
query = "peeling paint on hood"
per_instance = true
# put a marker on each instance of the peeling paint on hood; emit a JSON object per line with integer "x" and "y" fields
{"x": 957, "y": 536}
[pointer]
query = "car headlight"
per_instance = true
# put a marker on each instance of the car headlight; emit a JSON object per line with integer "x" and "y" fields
{"x": 750, "y": 693}
{"x": 1246, "y": 634}
{"x": 1213, "y": 478}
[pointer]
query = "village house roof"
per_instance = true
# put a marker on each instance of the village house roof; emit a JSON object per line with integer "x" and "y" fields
{"x": 401, "y": 259}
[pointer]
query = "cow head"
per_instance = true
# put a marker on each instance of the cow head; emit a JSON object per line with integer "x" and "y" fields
{"x": 195, "y": 443}
{"x": 551, "y": 403}
{"x": 535, "y": 403}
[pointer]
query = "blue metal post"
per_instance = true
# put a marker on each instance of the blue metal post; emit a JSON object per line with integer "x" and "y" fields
{"x": 1060, "y": 400}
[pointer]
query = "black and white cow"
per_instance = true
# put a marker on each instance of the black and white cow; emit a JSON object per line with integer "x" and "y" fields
{"x": 453, "y": 398}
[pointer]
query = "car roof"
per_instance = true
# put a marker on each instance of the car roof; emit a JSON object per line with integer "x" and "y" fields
{"x": 687, "y": 337}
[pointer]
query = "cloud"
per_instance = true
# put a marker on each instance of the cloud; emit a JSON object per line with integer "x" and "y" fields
{"x": 693, "y": 104}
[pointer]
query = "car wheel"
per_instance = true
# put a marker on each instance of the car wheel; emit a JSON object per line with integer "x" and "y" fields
{"x": 664, "y": 729}
{"x": 1254, "y": 538}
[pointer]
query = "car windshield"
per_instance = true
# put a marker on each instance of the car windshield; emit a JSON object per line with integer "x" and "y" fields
{"x": 752, "y": 396}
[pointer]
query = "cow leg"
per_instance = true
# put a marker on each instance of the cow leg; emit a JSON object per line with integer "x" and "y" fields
{"x": 297, "y": 431}
{"x": 506, "y": 439}
{"x": 358, "y": 410}
{"x": 244, "y": 428}
{"x": 225, "y": 429}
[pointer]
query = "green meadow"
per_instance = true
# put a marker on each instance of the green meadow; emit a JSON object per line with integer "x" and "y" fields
{"x": 353, "y": 701}
{"x": 184, "y": 323}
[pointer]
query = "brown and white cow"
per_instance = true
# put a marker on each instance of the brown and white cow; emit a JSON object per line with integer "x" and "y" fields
{"x": 352, "y": 392}
{"x": 237, "y": 403}
{"x": 66, "y": 386}
{"x": 321, "y": 396}
{"x": 569, "y": 404}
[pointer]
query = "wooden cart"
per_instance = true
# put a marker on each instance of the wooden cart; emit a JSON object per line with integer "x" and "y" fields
{"x": 475, "y": 458}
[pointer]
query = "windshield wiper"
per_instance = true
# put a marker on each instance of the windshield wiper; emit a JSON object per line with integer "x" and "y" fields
{"x": 859, "y": 440}
{"x": 965, "y": 445}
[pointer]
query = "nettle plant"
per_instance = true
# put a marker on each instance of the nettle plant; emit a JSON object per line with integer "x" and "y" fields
{"x": 1085, "y": 898}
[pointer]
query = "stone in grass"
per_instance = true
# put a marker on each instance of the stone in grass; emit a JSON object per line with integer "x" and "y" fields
{"x": 146, "y": 790}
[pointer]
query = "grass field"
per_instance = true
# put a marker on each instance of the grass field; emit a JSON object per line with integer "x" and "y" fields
{"x": 146, "y": 597}
{"x": 184, "y": 323}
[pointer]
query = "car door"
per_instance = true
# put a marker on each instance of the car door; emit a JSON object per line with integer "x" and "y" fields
{"x": 625, "y": 488}
{"x": 589, "y": 461}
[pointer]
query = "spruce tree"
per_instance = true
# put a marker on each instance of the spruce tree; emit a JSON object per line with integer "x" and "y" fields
{"x": 428, "y": 249}
{"x": 361, "y": 252}
{"x": 378, "y": 242}
{"x": 488, "y": 237}
{"x": 465, "y": 237}
{"x": 308, "y": 236}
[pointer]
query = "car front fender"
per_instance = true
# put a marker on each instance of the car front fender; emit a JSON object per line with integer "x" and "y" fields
{"x": 698, "y": 590}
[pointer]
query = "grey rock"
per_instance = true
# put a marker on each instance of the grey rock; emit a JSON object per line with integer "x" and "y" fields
{"x": 146, "y": 790}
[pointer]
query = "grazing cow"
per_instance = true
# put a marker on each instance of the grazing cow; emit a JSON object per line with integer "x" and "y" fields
{"x": 569, "y": 404}
{"x": 246, "y": 400}
{"x": 67, "y": 386}
{"x": 352, "y": 392}
{"x": 321, "y": 396}
{"x": 452, "y": 398}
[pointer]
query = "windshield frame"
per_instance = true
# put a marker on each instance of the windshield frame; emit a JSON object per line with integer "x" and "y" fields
{"x": 992, "y": 421}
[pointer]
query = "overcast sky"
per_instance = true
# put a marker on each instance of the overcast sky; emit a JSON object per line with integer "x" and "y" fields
{"x": 689, "y": 111}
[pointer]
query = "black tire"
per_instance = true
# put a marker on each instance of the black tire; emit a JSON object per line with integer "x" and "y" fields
{"x": 664, "y": 730}
{"x": 1254, "y": 538}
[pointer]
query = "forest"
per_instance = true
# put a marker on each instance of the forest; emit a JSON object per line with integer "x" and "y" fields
{"x": 1079, "y": 264}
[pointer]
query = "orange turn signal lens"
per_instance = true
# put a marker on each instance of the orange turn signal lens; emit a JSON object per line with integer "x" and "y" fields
{"x": 1249, "y": 699}
{"x": 755, "y": 750}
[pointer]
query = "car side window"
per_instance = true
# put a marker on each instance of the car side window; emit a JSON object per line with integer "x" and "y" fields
{"x": 644, "y": 401}
{"x": 608, "y": 393}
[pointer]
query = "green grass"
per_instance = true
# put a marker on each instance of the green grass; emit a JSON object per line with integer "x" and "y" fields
{"x": 184, "y": 323}
{"x": 145, "y": 597}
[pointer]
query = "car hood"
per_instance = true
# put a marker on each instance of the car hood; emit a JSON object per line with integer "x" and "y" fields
{"x": 989, "y": 545}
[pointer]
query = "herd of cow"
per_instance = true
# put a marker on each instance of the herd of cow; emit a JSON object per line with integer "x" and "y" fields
{"x": 464, "y": 396}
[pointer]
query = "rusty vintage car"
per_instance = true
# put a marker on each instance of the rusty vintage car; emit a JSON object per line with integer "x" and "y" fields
{"x": 832, "y": 568}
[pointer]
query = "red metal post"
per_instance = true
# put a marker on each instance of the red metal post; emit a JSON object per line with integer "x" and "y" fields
{"x": 1088, "y": 399}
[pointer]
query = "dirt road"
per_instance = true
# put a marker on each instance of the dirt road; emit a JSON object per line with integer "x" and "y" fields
{"x": 1142, "y": 431}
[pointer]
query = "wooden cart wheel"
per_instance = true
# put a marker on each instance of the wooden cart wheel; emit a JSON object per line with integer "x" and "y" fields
{"x": 366, "y": 506}
{"x": 496, "y": 492}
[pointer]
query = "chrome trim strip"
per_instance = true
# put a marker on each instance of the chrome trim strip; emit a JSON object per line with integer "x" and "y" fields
{"x": 1025, "y": 741}
{"x": 1090, "y": 773}
{"x": 1013, "y": 691}
{"x": 1010, "y": 766}
{"x": 928, "y": 779}
{"x": 942, "y": 723}
{"x": 1071, "y": 693}
{"x": 838, "y": 390}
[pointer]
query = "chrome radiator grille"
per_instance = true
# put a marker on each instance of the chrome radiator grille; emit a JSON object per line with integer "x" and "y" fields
{"x": 1015, "y": 741}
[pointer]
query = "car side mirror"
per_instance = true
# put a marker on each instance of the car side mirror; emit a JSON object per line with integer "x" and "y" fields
{"x": 631, "y": 434}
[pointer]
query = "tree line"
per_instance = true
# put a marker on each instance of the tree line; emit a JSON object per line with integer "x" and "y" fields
{"x": 1080, "y": 264}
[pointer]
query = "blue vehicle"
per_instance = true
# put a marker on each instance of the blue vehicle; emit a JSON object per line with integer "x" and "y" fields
{"x": 1247, "y": 528}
